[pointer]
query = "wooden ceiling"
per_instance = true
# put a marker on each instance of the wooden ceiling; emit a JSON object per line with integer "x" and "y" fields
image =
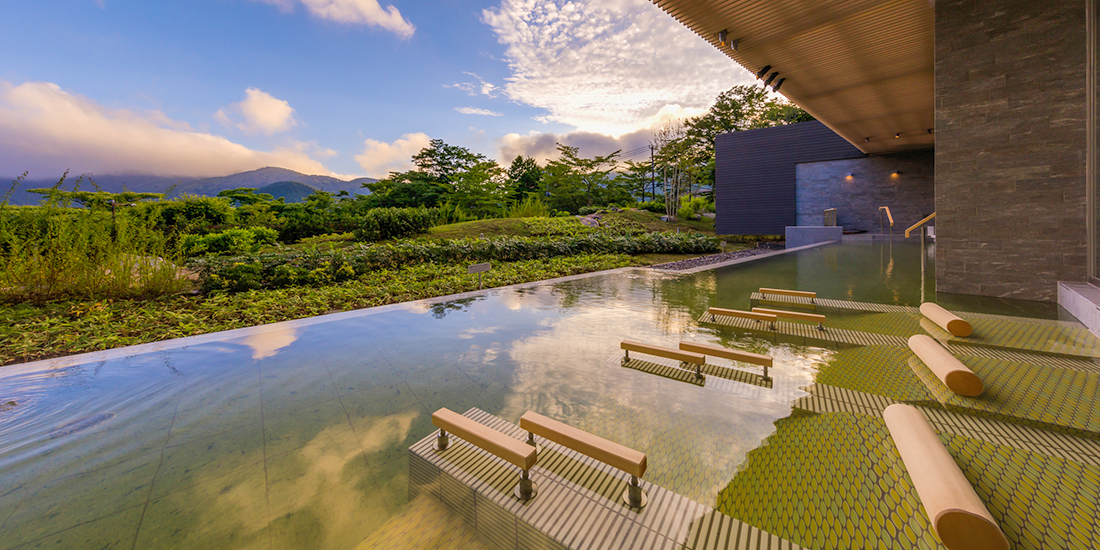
{"x": 862, "y": 67}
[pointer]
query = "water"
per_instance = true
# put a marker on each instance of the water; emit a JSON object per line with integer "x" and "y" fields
{"x": 295, "y": 435}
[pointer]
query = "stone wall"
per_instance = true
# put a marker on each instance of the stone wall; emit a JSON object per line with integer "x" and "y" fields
{"x": 858, "y": 187}
{"x": 1010, "y": 146}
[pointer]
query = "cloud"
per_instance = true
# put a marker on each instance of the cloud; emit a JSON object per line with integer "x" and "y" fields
{"x": 45, "y": 129}
{"x": 476, "y": 111}
{"x": 542, "y": 146}
{"x": 606, "y": 66}
{"x": 380, "y": 158}
{"x": 352, "y": 12}
{"x": 261, "y": 113}
{"x": 480, "y": 88}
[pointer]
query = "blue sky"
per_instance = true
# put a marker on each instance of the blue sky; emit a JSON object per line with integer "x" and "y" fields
{"x": 345, "y": 87}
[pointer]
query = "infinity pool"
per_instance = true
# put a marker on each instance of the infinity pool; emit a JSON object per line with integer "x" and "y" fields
{"x": 295, "y": 435}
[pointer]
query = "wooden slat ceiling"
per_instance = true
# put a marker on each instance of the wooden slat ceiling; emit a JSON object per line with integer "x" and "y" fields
{"x": 862, "y": 67}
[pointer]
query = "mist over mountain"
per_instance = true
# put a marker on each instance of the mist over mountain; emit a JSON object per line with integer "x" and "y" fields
{"x": 196, "y": 186}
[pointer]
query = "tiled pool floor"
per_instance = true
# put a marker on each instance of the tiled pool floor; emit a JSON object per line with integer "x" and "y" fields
{"x": 296, "y": 435}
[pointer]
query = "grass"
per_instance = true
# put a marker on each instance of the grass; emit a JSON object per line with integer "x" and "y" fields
{"x": 29, "y": 332}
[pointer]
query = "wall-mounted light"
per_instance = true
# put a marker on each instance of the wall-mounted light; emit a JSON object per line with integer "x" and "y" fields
{"x": 763, "y": 71}
{"x": 930, "y": 131}
{"x": 897, "y": 135}
{"x": 895, "y": 173}
{"x": 734, "y": 44}
{"x": 778, "y": 84}
{"x": 722, "y": 38}
{"x": 771, "y": 78}
{"x": 850, "y": 176}
{"x": 866, "y": 140}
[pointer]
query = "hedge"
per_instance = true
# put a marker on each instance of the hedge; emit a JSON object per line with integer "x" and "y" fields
{"x": 316, "y": 267}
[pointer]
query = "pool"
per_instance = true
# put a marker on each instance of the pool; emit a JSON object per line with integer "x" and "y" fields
{"x": 295, "y": 435}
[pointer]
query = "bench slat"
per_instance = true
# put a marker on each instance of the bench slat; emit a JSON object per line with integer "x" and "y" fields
{"x": 790, "y": 314}
{"x": 511, "y": 450}
{"x": 659, "y": 351}
{"x": 783, "y": 292}
{"x": 611, "y": 453}
{"x": 742, "y": 314}
{"x": 735, "y": 354}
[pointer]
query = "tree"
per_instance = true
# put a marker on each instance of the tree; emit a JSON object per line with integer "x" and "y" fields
{"x": 525, "y": 176}
{"x": 572, "y": 181}
{"x": 636, "y": 178}
{"x": 246, "y": 195}
{"x": 94, "y": 200}
{"x": 676, "y": 165}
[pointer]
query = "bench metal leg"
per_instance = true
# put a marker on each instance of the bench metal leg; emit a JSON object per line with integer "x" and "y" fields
{"x": 634, "y": 496}
{"x": 526, "y": 489}
{"x": 821, "y": 327}
{"x": 766, "y": 373}
{"x": 531, "y": 441}
{"x": 442, "y": 442}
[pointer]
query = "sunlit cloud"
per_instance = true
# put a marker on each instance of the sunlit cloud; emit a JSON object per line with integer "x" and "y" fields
{"x": 259, "y": 112}
{"x": 476, "y": 111}
{"x": 379, "y": 158}
{"x": 45, "y": 129}
{"x": 352, "y": 12}
{"x": 607, "y": 67}
{"x": 481, "y": 87}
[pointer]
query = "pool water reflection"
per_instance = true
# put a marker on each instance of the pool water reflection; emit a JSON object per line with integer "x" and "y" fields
{"x": 295, "y": 435}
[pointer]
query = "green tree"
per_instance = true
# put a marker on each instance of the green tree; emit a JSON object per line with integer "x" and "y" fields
{"x": 572, "y": 181}
{"x": 246, "y": 195}
{"x": 525, "y": 176}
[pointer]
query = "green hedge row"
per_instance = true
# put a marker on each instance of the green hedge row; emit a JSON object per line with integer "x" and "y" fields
{"x": 316, "y": 267}
{"x": 378, "y": 224}
{"x": 231, "y": 241}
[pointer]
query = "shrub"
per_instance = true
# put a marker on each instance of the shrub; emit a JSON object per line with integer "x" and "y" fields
{"x": 390, "y": 223}
{"x": 231, "y": 242}
{"x": 314, "y": 267}
{"x": 450, "y": 212}
{"x": 189, "y": 213}
{"x": 657, "y": 207}
{"x": 531, "y": 207}
{"x": 586, "y": 210}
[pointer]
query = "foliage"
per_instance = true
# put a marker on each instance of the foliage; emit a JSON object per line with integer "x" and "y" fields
{"x": 450, "y": 213}
{"x": 690, "y": 207}
{"x": 524, "y": 177}
{"x": 573, "y": 181}
{"x": 568, "y": 227}
{"x": 390, "y": 223}
{"x": 531, "y": 207}
{"x": 657, "y": 207}
{"x": 52, "y": 252}
{"x": 60, "y": 328}
{"x": 231, "y": 241}
{"x": 92, "y": 199}
{"x": 288, "y": 268}
{"x": 188, "y": 213}
{"x": 246, "y": 195}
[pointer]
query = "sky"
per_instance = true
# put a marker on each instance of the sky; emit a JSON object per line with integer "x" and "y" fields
{"x": 347, "y": 88}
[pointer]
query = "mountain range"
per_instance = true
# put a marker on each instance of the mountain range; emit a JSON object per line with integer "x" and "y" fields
{"x": 195, "y": 186}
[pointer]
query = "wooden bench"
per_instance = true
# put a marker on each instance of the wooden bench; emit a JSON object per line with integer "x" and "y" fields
{"x": 812, "y": 317}
{"x": 668, "y": 353}
{"x": 727, "y": 353}
{"x": 781, "y": 292}
{"x": 958, "y": 515}
{"x": 511, "y": 450}
{"x": 611, "y": 453}
{"x": 742, "y": 314}
{"x": 955, "y": 375}
{"x": 950, "y": 322}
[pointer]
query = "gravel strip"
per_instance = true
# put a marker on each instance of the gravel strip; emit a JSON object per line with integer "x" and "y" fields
{"x": 715, "y": 258}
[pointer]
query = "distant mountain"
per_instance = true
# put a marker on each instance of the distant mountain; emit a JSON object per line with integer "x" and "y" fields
{"x": 207, "y": 187}
{"x": 290, "y": 191}
{"x": 266, "y": 176}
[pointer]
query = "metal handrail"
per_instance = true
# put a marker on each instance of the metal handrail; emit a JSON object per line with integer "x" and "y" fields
{"x": 888, "y": 214}
{"x": 920, "y": 223}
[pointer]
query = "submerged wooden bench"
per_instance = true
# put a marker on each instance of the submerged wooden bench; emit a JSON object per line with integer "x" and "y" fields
{"x": 950, "y": 322}
{"x": 727, "y": 353}
{"x": 684, "y": 357}
{"x": 958, "y": 515}
{"x": 782, "y": 292}
{"x": 743, "y": 315}
{"x": 610, "y": 453}
{"x": 955, "y": 375}
{"x": 812, "y": 317}
{"x": 511, "y": 450}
